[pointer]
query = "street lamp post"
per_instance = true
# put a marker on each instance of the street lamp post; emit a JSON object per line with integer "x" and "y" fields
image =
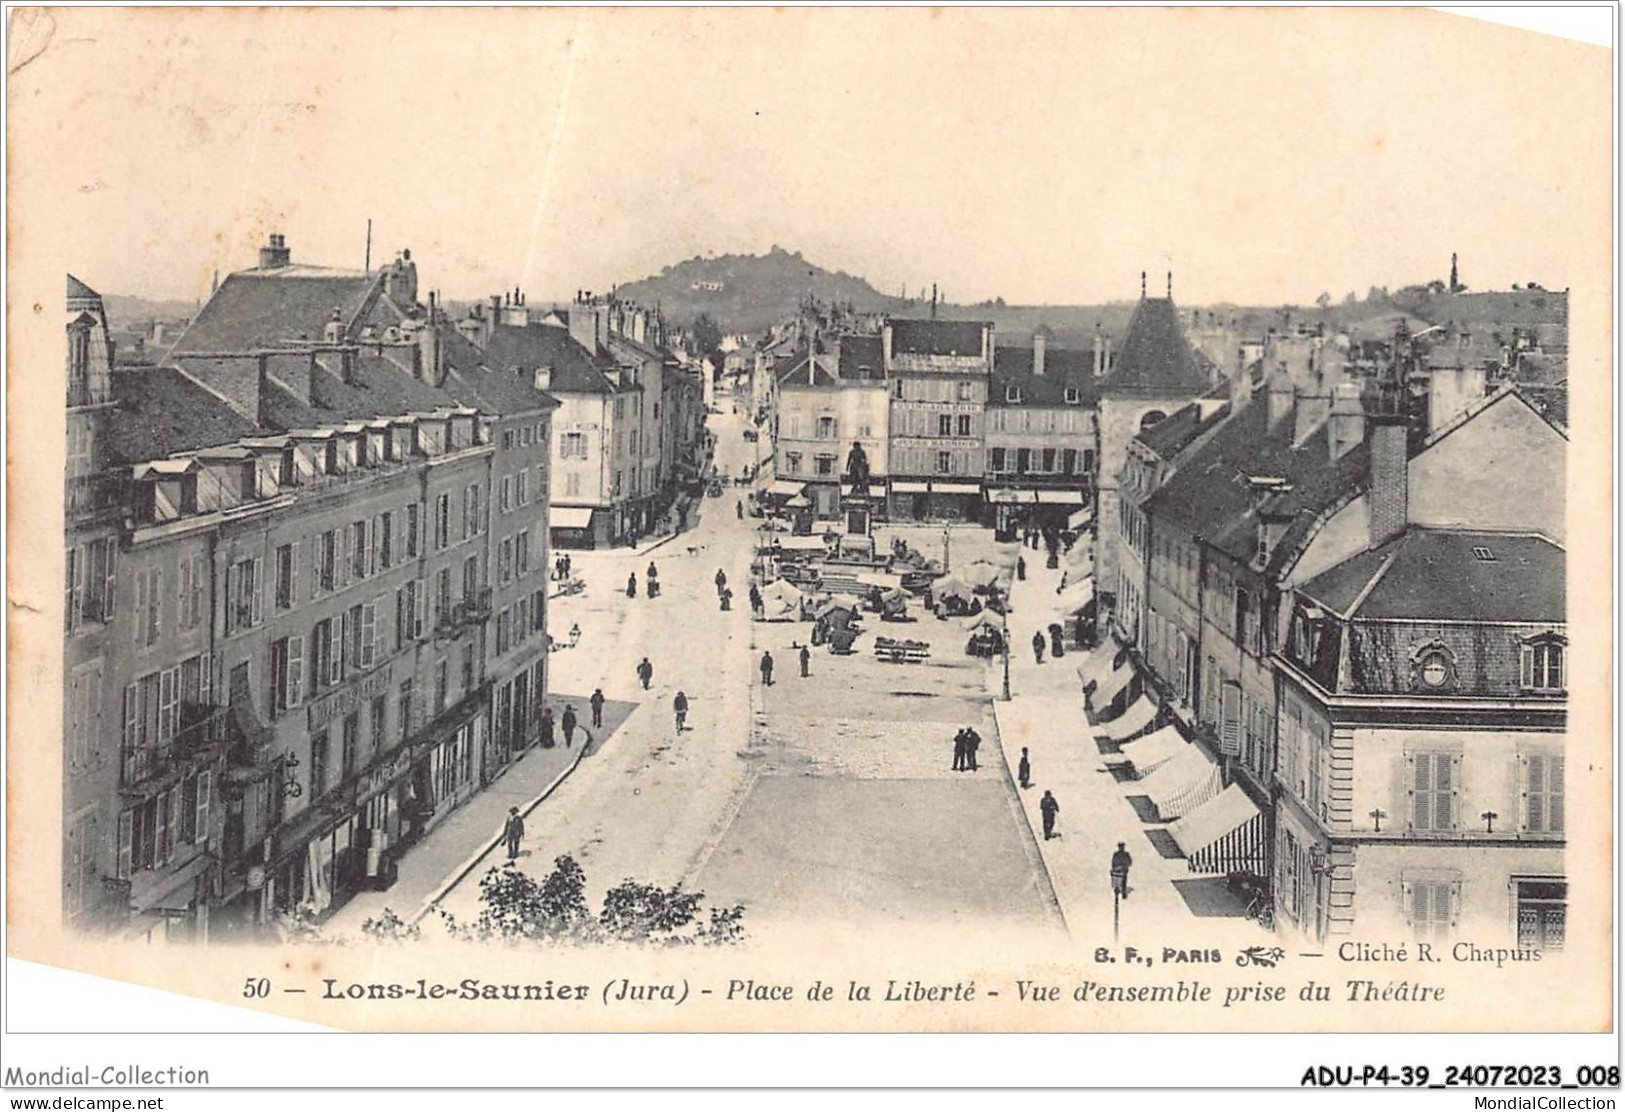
{"x": 1005, "y": 640}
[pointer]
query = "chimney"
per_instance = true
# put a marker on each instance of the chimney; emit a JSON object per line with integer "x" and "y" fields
{"x": 1348, "y": 420}
{"x": 1451, "y": 392}
{"x": 1142, "y": 285}
{"x": 1241, "y": 387}
{"x": 1098, "y": 348}
{"x": 584, "y": 323}
{"x": 1312, "y": 408}
{"x": 1390, "y": 493}
{"x": 275, "y": 253}
{"x": 885, "y": 346}
{"x": 1038, "y": 352}
{"x": 1281, "y": 397}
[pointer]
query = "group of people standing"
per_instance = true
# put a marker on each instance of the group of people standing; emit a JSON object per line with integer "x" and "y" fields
{"x": 561, "y": 566}
{"x": 966, "y": 742}
{"x": 651, "y": 579}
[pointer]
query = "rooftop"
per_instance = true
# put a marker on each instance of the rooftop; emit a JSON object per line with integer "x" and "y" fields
{"x": 1155, "y": 357}
{"x": 161, "y": 411}
{"x": 1063, "y": 368}
{"x": 257, "y": 309}
{"x": 1174, "y": 433}
{"x": 937, "y": 337}
{"x": 529, "y": 348}
{"x": 1449, "y": 574}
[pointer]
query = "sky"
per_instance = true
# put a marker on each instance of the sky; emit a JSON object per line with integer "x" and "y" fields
{"x": 1038, "y": 155}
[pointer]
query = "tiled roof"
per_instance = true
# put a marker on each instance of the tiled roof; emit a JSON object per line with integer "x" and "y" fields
{"x": 160, "y": 412}
{"x": 78, "y": 291}
{"x": 858, "y": 352}
{"x": 1174, "y": 433}
{"x": 262, "y": 309}
{"x": 1443, "y": 573}
{"x": 473, "y": 382}
{"x": 1210, "y": 494}
{"x": 1155, "y": 356}
{"x": 380, "y": 389}
{"x": 1063, "y": 368}
{"x": 802, "y": 371}
{"x": 936, "y": 337}
{"x": 534, "y": 346}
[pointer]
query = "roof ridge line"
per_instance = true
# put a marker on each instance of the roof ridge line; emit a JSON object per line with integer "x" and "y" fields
{"x": 1377, "y": 576}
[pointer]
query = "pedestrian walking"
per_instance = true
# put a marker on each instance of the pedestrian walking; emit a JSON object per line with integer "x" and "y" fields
{"x": 1024, "y": 770}
{"x": 632, "y": 585}
{"x": 575, "y": 634}
{"x": 653, "y": 572}
{"x": 1049, "y": 808}
{"x": 646, "y": 672}
{"x": 1038, "y": 647}
{"x": 739, "y": 509}
{"x": 1021, "y": 568}
{"x": 1056, "y": 649}
{"x": 806, "y": 659}
{"x": 727, "y": 599}
{"x": 679, "y": 707}
{"x": 959, "y": 750}
{"x": 547, "y": 727}
{"x": 569, "y": 723}
{"x": 767, "y": 669}
{"x": 1120, "y": 866}
{"x": 567, "y": 565}
{"x": 721, "y": 580}
{"x": 512, "y": 831}
{"x": 597, "y": 704}
{"x": 755, "y": 599}
{"x": 973, "y": 742}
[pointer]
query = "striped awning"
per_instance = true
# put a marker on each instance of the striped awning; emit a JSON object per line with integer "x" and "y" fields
{"x": 1183, "y": 784}
{"x": 1223, "y": 835}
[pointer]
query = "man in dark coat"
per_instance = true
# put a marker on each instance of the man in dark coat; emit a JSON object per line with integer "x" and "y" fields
{"x": 597, "y": 703}
{"x": 512, "y": 831}
{"x": 767, "y": 669}
{"x": 1049, "y": 808}
{"x": 973, "y": 742}
{"x": 679, "y": 707}
{"x": 1038, "y": 646}
{"x": 569, "y": 721}
{"x": 632, "y": 585}
{"x": 1120, "y": 865}
{"x": 806, "y": 659}
{"x": 721, "y": 580}
{"x": 547, "y": 727}
{"x": 646, "y": 672}
{"x": 1024, "y": 770}
{"x": 959, "y": 751}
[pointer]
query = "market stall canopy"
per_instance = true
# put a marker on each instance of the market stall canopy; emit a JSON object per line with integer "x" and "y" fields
{"x": 1080, "y": 519}
{"x": 799, "y": 502}
{"x": 1225, "y": 834}
{"x": 784, "y": 488}
{"x": 569, "y": 517}
{"x": 986, "y": 619}
{"x": 891, "y": 594}
{"x": 1078, "y": 595}
{"x": 781, "y": 601}
{"x": 950, "y": 586}
{"x": 983, "y": 573}
{"x": 1183, "y": 784}
{"x": 885, "y": 580}
{"x": 800, "y": 544}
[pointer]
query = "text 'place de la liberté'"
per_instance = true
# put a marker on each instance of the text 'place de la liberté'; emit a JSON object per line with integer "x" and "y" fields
{"x": 1245, "y": 624}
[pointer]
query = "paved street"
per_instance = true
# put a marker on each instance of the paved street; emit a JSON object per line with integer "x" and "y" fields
{"x": 826, "y": 796}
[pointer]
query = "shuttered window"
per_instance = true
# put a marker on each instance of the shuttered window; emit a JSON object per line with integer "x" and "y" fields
{"x": 1435, "y": 785}
{"x": 1543, "y": 793}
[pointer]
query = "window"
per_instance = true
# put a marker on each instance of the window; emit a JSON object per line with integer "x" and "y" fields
{"x": 995, "y": 459}
{"x": 521, "y": 620}
{"x": 368, "y": 653}
{"x": 522, "y": 487}
{"x": 98, "y": 579}
{"x": 1431, "y": 906}
{"x": 412, "y": 531}
{"x": 966, "y": 391}
{"x": 318, "y": 765}
{"x": 244, "y": 609}
{"x": 826, "y": 428}
{"x": 351, "y": 744}
{"x": 327, "y": 650}
{"x": 286, "y": 579}
{"x": 507, "y": 441}
{"x": 1433, "y": 790}
{"x": 440, "y": 688}
{"x": 505, "y": 561}
{"x": 1069, "y": 461}
{"x": 1542, "y": 909}
{"x": 149, "y": 585}
{"x": 505, "y": 498}
{"x": 1542, "y": 665}
{"x": 897, "y": 391}
{"x": 1024, "y": 461}
{"x": 442, "y": 521}
{"x": 963, "y": 424}
{"x": 375, "y": 723}
{"x": 1012, "y": 393}
{"x": 525, "y": 436}
{"x": 944, "y": 463}
{"x": 504, "y": 631}
{"x": 521, "y": 553}
{"x": 826, "y": 465}
{"x": 945, "y": 424}
{"x": 471, "y": 577}
{"x": 1151, "y": 418}
{"x": 287, "y": 673}
{"x": 403, "y": 708}
{"x": 473, "y": 524}
{"x": 408, "y": 613}
{"x": 360, "y": 551}
{"x": 442, "y": 595}
{"x": 73, "y": 601}
{"x": 1543, "y": 793}
{"x": 573, "y": 445}
{"x": 84, "y": 715}
{"x": 1048, "y": 464}
{"x": 384, "y": 537}
{"x": 1071, "y": 395}
{"x": 538, "y": 612}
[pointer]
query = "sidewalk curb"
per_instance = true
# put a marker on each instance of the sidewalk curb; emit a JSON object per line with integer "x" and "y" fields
{"x": 474, "y": 862}
{"x": 1027, "y": 824}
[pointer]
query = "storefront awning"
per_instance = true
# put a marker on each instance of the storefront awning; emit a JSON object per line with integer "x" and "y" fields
{"x": 1136, "y": 717}
{"x": 1060, "y": 497}
{"x": 1182, "y": 785}
{"x": 1081, "y": 519}
{"x": 784, "y": 488}
{"x": 908, "y": 486}
{"x": 956, "y": 488}
{"x": 1154, "y": 750}
{"x": 1112, "y": 685}
{"x": 569, "y": 517}
{"x": 1225, "y": 834}
{"x": 1008, "y": 497}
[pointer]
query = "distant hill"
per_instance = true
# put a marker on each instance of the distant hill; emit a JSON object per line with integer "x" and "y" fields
{"x": 124, "y": 311}
{"x": 748, "y": 293}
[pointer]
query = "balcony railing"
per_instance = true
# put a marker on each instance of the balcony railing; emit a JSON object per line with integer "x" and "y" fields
{"x": 93, "y": 495}
{"x": 477, "y": 607}
{"x": 206, "y": 726}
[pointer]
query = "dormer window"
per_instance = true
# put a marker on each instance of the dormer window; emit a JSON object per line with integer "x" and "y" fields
{"x": 1012, "y": 393}
{"x": 1072, "y": 396}
{"x": 1433, "y": 667}
{"x": 1543, "y": 664}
